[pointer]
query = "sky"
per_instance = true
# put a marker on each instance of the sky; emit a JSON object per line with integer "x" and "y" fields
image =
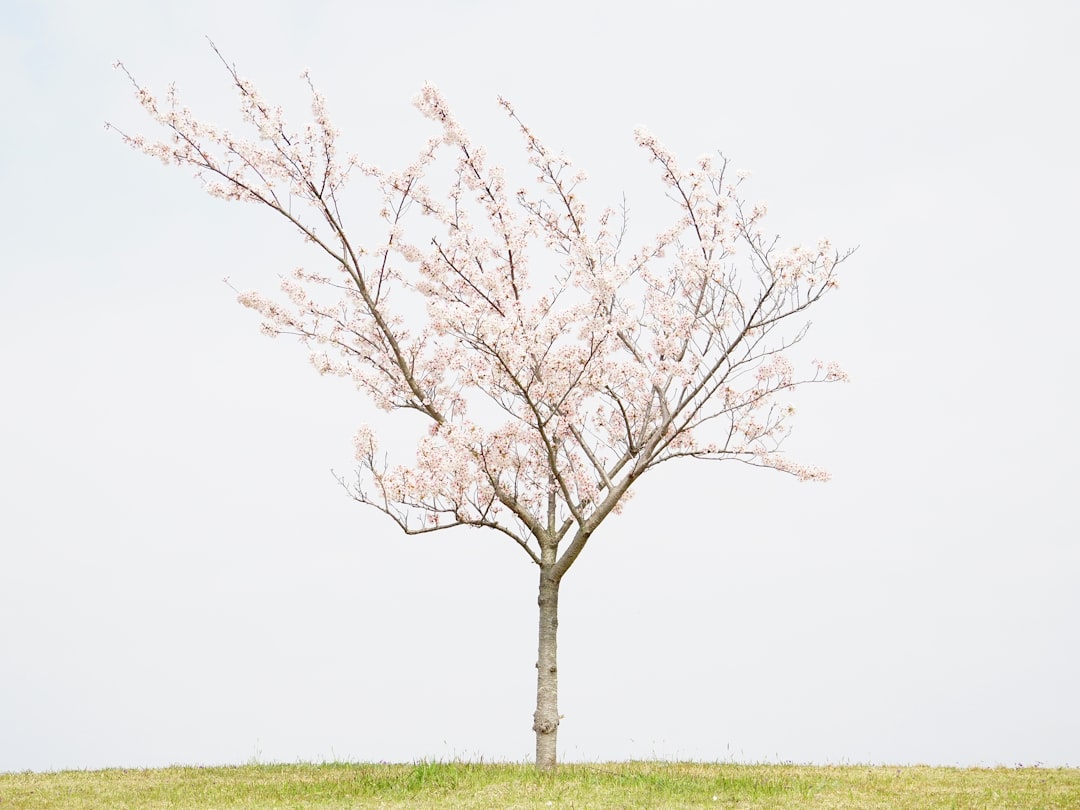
{"x": 182, "y": 581}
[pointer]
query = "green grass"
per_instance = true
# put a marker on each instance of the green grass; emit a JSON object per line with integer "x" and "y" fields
{"x": 616, "y": 785}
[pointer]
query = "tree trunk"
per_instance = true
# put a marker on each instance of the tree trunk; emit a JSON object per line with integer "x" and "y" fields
{"x": 546, "y": 718}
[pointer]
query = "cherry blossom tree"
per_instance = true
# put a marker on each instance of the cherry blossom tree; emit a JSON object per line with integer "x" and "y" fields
{"x": 553, "y": 366}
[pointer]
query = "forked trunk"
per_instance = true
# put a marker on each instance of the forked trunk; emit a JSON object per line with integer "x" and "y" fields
{"x": 546, "y": 718}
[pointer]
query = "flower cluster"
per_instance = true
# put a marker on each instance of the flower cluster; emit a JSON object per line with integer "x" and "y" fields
{"x": 553, "y": 370}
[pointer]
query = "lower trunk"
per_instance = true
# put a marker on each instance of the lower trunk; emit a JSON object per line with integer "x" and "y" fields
{"x": 546, "y": 718}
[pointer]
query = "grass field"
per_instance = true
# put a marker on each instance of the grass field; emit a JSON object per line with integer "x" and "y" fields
{"x": 616, "y": 785}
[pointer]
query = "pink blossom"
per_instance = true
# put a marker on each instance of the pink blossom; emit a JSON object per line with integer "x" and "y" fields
{"x": 555, "y": 366}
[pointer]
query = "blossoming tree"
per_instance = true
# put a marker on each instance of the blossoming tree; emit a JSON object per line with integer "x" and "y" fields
{"x": 554, "y": 368}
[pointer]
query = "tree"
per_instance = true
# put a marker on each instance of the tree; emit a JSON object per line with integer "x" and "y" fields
{"x": 553, "y": 369}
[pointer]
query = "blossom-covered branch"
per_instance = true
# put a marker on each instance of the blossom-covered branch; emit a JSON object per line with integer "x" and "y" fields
{"x": 552, "y": 371}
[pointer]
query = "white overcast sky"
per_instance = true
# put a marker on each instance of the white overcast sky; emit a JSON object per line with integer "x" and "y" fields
{"x": 182, "y": 581}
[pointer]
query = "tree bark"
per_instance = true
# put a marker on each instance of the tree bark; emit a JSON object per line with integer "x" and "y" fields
{"x": 546, "y": 718}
